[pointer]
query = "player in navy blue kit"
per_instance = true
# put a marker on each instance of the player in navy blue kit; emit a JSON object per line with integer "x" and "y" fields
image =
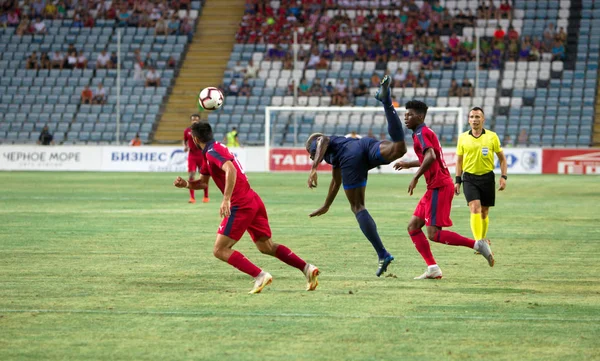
{"x": 351, "y": 160}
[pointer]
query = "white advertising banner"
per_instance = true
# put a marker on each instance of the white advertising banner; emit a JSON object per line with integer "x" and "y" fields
{"x": 519, "y": 161}
{"x": 151, "y": 159}
{"x": 69, "y": 158}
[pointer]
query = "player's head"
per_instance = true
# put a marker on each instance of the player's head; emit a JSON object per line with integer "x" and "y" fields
{"x": 415, "y": 114}
{"x": 201, "y": 133}
{"x": 311, "y": 144}
{"x": 476, "y": 118}
{"x": 194, "y": 118}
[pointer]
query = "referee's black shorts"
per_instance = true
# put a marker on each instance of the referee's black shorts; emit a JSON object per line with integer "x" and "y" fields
{"x": 482, "y": 187}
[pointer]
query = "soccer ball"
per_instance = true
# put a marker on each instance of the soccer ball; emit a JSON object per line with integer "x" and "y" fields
{"x": 210, "y": 98}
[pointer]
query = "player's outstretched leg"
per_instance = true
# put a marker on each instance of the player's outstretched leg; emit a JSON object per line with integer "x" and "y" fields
{"x": 454, "y": 239}
{"x": 205, "y": 199}
{"x": 312, "y": 273}
{"x": 483, "y": 247}
{"x": 384, "y": 95}
{"x": 239, "y": 261}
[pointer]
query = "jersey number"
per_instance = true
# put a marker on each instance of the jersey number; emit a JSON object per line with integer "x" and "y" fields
{"x": 235, "y": 159}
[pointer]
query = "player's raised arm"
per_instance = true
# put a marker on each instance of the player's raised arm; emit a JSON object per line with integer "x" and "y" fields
{"x": 427, "y": 162}
{"x": 230, "y": 178}
{"x": 200, "y": 183}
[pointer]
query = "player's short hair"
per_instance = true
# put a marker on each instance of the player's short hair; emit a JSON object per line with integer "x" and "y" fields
{"x": 418, "y": 106}
{"x": 477, "y": 108}
{"x": 310, "y": 139}
{"x": 202, "y": 131}
{"x": 195, "y": 115}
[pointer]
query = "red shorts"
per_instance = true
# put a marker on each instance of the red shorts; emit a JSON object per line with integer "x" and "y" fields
{"x": 435, "y": 206}
{"x": 251, "y": 217}
{"x": 194, "y": 162}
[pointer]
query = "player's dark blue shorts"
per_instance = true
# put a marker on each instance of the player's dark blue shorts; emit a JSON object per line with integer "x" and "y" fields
{"x": 356, "y": 160}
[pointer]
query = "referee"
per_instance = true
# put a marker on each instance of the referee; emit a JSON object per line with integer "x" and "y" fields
{"x": 475, "y": 168}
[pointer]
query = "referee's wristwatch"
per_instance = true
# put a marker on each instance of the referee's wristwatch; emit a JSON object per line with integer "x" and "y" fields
{"x": 503, "y": 176}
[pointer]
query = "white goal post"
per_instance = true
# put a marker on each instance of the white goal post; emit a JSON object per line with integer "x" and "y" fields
{"x": 313, "y": 109}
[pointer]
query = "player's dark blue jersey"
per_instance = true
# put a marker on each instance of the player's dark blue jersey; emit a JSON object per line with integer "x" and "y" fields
{"x": 355, "y": 157}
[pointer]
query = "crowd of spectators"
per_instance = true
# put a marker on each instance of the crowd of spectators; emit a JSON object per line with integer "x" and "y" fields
{"x": 164, "y": 16}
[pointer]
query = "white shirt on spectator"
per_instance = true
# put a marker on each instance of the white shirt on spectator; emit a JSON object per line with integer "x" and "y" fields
{"x": 100, "y": 92}
{"x": 152, "y": 75}
{"x": 103, "y": 59}
{"x": 40, "y": 27}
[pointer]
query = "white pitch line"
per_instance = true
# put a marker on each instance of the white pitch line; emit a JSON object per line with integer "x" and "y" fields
{"x": 304, "y": 315}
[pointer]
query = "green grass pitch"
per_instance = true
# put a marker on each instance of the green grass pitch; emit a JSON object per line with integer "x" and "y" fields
{"x": 118, "y": 266}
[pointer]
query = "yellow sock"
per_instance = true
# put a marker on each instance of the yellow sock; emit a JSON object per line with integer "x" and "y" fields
{"x": 476, "y": 226}
{"x": 485, "y": 223}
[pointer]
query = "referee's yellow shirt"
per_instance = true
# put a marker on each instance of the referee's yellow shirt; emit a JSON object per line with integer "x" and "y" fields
{"x": 478, "y": 153}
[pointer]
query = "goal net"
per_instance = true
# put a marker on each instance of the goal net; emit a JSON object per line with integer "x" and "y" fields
{"x": 288, "y": 127}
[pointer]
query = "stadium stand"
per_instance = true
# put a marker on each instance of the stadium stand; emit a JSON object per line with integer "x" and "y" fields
{"x": 537, "y": 78}
{"x": 36, "y": 94}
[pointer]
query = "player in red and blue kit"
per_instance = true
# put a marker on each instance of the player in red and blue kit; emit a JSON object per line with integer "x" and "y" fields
{"x": 351, "y": 160}
{"x": 194, "y": 159}
{"x": 242, "y": 210}
{"x": 433, "y": 210}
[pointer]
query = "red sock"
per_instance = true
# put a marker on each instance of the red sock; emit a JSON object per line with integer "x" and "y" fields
{"x": 191, "y": 190}
{"x": 284, "y": 254}
{"x": 453, "y": 239}
{"x": 242, "y": 263}
{"x": 206, "y": 192}
{"x": 422, "y": 245}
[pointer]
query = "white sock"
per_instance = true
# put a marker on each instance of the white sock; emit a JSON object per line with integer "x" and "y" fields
{"x": 433, "y": 266}
{"x": 476, "y": 246}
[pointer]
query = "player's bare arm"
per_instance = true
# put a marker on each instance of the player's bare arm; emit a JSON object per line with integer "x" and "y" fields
{"x": 406, "y": 165}
{"x": 197, "y": 184}
{"x": 322, "y": 144}
{"x": 334, "y": 187}
{"x": 503, "y": 170}
{"x": 459, "y": 171}
{"x": 427, "y": 162}
{"x": 185, "y": 146}
{"x": 230, "y": 178}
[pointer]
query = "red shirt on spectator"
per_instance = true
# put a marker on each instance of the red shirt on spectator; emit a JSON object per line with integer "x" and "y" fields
{"x": 513, "y": 34}
{"x": 499, "y": 34}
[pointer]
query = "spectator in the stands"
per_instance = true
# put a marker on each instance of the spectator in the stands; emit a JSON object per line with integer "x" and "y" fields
{"x": 314, "y": 59}
{"x": 37, "y": 8}
{"x": 86, "y": 95}
{"x": 88, "y": 21}
{"x": 186, "y": 27}
{"x": 71, "y": 49}
{"x": 426, "y": 61}
{"x": 24, "y": 28}
{"x": 447, "y": 61}
{"x": 136, "y": 141}
{"x": 303, "y": 87}
{"x": 114, "y": 60}
{"x": 525, "y": 50}
{"x": 561, "y": 36}
{"x": 549, "y": 34}
{"x": 499, "y": 33}
{"x": 422, "y": 80}
{"x": 245, "y": 89}
{"x": 152, "y": 77}
{"x": 329, "y": 89}
{"x": 13, "y": 18}
{"x": 512, "y": 33}
{"x": 316, "y": 89}
{"x": 61, "y": 10}
{"x": 32, "y": 61}
{"x": 82, "y": 61}
{"x": 454, "y": 90}
{"x": 486, "y": 10}
{"x": 77, "y": 22}
{"x": 399, "y": 78}
{"x": 71, "y": 62}
{"x": 361, "y": 89}
{"x": 466, "y": 88}
{"x": 504, "y": 11}
{"x": 375, "y": 80}
{"x": 558, "y": 51}
{"x": 522, "y": 140}
{"x": 173, "y": 25}
{"x": 123, "y": 15}
{"x": 171, "y": 62}
{"x": 45, "y": 137}
{"x": 411, "y": 80}
{"x": 160, "y": 28}
{"x": 340, "y": 95}
{"x": 275, "y": 53}
{"x": 99, "y": 94}
{"x": 233, "y": 88}
{"x": 57, "y": 60}
{"x": 508, "y": 141}
{"x": 251, "y": 70}
{"x": 39, "y": 26}
{"x": 45, "y": 61}
{"x": 513, "y": 50}
{"x": 395, "y": 102}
